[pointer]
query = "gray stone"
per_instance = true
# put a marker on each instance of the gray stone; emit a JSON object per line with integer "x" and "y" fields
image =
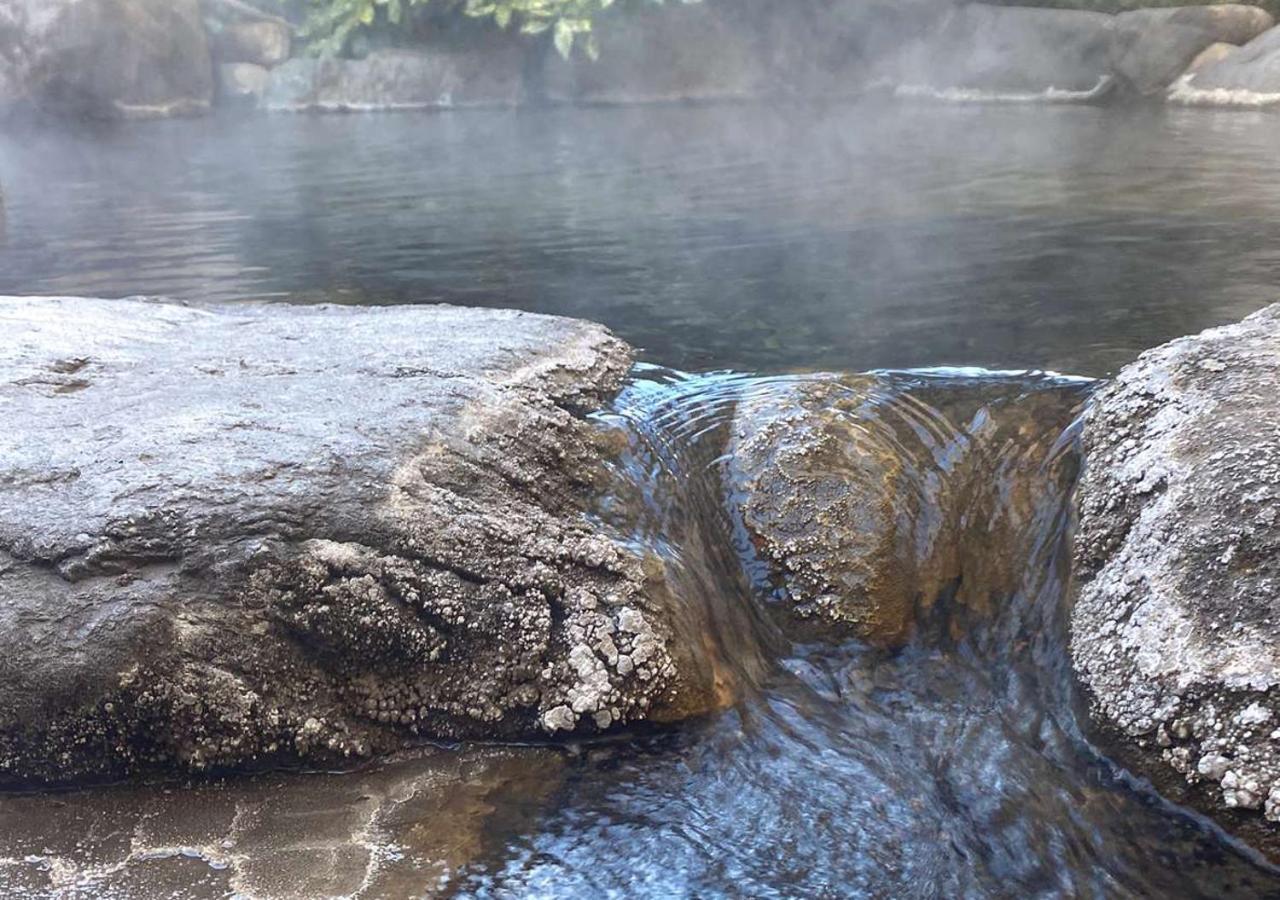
{"x": 843, "y": 489}
{"x": 242, "y": 83}
{"x": 263, "y": 43}
{"x": 105, "y": 58}
{"x": 399, "y": 80}
{"x": 1249, "y": 77}
{"x": 1176, "y": 626}
{"x": 1009, "y": 53}
{"x": 261, "y": 534}
{"x": 1154, "y": 47}
{"x": 735, "y": 49}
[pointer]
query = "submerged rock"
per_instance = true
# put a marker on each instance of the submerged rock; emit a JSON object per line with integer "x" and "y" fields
{"x": 1176, "y": 626}
{"x": 874, "y": 502}
{"x": 398, "y": 80}
{"x": 105, "y": 58}
{"x": 267, "y": 534}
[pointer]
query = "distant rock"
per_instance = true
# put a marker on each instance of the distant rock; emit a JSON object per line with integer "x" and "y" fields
{"x": 1210, "y": 55}
{"x": 242, "y": 83}
{"x": 263, "y": 43}
{"x": 735, "y": 50}
{"x": 400, "y": 80}
{"x": 1156, "y": 46}
{"x": 256, "y": 535}
{"x": 1176, "y": 626}
{"x": 105, "y": 58}
{"x": 1249, "y": 77}
{"x": 993, "y": 53}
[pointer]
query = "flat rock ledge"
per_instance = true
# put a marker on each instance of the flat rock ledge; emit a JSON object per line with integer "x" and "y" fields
{"x": 260, "y": 535}
{"x": 1176, "y": 624}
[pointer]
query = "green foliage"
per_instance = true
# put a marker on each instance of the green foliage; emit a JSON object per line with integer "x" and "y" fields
{"x": 332, "y": 23}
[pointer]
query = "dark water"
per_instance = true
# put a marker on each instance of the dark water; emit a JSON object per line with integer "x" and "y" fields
{"x": 745, "y": 238}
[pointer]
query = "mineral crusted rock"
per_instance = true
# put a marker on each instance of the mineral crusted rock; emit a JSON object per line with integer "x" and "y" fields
{"x": 258, "y": 534}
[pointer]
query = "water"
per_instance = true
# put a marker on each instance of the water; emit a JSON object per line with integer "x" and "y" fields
{"x": 742, "y": 237}
{"x": 745, "y": 239}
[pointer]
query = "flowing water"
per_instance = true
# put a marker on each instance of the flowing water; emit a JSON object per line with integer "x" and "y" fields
{"x": 748, "y": 240}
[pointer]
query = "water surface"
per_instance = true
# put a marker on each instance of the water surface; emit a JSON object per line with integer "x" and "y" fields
{"x": 755, "y": 239}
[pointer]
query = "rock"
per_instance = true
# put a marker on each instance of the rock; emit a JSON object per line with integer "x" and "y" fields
{"x": 1210, "y": 55}
{"x": 263, "y": 43}
{"x": 399, "y": 79}
{"x": 735, "y": 49}
{"x": 105, "y": 58}
{"x": 1249, "y": 77}
{"x": 1155, "y": 46}
{"x": 984, "y": 52}
{"x": 873, "y": 502}
{"x": 245, "y": 536}
{"x": 242, "y": 83}
{"x": 1176, "y": 623}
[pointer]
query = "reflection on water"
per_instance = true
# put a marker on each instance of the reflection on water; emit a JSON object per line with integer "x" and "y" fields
{"x": 749, "y": 237}
{"x": 952, "y": 767}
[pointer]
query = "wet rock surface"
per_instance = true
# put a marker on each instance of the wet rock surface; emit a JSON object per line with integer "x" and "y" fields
{"x": 1176, "y": 627}
{"x": 105, "y": 58}
{"x": 875, "y": 505}
{"x": 264, "y": 534}
{"x": 401, "y": 828}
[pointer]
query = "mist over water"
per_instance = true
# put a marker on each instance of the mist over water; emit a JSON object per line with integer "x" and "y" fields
{"x": 745, "y": 241}
{"x": 751, "y": 237}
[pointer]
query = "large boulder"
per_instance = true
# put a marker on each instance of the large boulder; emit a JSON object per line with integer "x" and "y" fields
{"x": 266, "y": 534}
{"x": 873, "y": 498}
{"x": 263, "y": 42}
{"x": 1156, "y": 46}
{"x": 399, "y": 80}
{"x": 105, "y": 58}
{"x": 1009, "y": 53}
{"x": 735, "y": 49}
{"x": 1249, "y": 77}
{"x": 1176, "y": 624}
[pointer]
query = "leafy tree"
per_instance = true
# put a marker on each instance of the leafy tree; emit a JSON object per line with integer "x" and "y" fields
{"x": 332, "y": 23}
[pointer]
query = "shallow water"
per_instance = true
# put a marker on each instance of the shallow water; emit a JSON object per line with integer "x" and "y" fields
{"x": 744, "y": 238}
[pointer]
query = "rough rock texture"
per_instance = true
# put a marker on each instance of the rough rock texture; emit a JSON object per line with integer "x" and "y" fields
{"x": 1176, "y": 628}
{"x": 998, "y": 52}
{"x": 1156, "y": 46}
{"x": 263, "y": 43}
{"x": 261, "y": 534}
{"x": 1248, "y": 77}
{"x": 873, "y": 502}
{"x": 736, "y": 49}
{"x": 399, "y": 79}
{"x": 105, "y": 58}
